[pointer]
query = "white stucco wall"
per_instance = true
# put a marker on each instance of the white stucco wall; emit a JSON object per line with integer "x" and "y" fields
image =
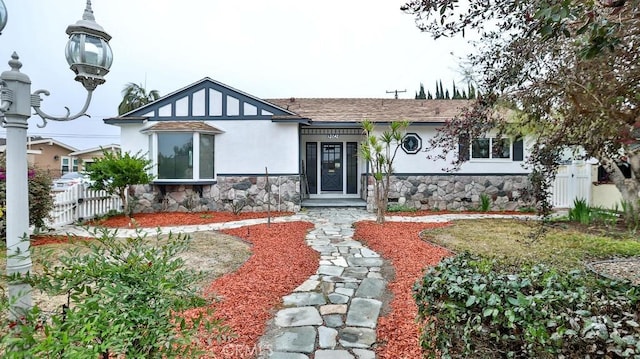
{"x": 131, "y": 140}
{"x": 247, "y": 147}
{"x": 418, "y": 163}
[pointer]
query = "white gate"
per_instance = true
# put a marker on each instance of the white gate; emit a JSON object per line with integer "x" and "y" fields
{"x": 572, "y": 182}
{"x": 78, "y": 203}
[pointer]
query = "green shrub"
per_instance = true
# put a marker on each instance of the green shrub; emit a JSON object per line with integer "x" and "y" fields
{"x": 40, "y": 201}
{"x": 125, "y": 299}
{"x": 472, "y": 307}
{"x": 580, "y": 212}
{"x": 485, "y": 202}
{"x": 400, "y": 208}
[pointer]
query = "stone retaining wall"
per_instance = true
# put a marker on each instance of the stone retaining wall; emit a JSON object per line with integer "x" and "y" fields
{"x": 456, "y": 192}
{"x": 248, "y": 194}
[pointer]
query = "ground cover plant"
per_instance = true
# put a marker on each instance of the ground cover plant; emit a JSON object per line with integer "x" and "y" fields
{"x": 520, "y": 297}
{"x": 472, "y": 306}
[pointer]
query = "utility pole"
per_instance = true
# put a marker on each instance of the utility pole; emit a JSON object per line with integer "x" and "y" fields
{"x": 396, "y": 92}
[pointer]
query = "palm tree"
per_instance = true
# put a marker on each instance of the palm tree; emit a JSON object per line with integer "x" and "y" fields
{"x": 134, "y": 96}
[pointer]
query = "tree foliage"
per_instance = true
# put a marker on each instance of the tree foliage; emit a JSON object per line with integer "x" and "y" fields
{"x": 134, "y": 96}
{"x": 468, "y": 94}
{"x": 564, "y": 72}
{"x": 380, "y": 151}
{"x": 40, "y": 200}
{"x": 114, "y": 172}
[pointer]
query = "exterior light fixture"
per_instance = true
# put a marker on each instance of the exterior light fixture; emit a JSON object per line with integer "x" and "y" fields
{"x": 90, "y": 58}
{"x": 3, "y": 16}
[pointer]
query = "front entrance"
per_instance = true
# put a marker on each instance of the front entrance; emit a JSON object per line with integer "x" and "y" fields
{"x": 331, "y": 170}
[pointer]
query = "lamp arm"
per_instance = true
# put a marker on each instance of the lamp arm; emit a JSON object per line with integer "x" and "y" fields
{"x": 36, "y": 100}
{"x": 6, "y": 97}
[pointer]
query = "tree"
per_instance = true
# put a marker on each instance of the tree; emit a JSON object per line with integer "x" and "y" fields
{"x": 134, "y": 96}
{"x": 114, "y": 172}
{"x": 379, "y": 151}
{"x": 421, "y": 95}
{"x": 566, "y": 73}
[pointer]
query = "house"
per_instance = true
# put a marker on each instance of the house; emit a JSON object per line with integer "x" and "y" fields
{"x": 212, "y": 145}
{"x": 58, "y": 158}
{"x": 50, "y": 155}
{"x": 85, "y": 158}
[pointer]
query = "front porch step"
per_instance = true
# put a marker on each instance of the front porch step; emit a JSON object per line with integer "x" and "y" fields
{"x": 333, "y": 202}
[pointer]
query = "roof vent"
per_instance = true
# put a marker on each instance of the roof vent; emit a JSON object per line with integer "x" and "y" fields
{"x": 437, "y": 110}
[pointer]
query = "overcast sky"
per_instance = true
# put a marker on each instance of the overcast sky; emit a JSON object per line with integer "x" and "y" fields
{"x": 270, "y": 49}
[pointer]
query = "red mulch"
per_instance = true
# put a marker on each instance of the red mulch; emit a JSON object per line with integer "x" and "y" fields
{"x": 41, "y": 240}
{"x": 399, "y": 243}
{"x": 280, "y": 262}
{"x": 152, "y": 220}
{"x": 437, "y": 213}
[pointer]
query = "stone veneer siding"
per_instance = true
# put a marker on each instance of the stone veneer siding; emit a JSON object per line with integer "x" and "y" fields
{"x": 456, "y": 192}
{"x": 229, "y": 193}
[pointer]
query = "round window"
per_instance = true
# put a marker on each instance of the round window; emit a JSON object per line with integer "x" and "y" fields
{"x": 411, "y": 143}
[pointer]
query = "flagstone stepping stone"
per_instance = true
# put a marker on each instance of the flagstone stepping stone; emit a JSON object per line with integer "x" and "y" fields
{"x": 363, "y": 312}
{"x": 300, "y": 340}
{"x": 357, "y": 337}
{"x": 333, "y": 354}
{"x": 298, "y": 317}
{"x": 364, "y": 354}
{"x": 327, "y": 337}
{"x": 281, "y": 355}
{"x": 303, "y": 299}
{"x": 364, "y": 262}
{"x": 370, "y": 288}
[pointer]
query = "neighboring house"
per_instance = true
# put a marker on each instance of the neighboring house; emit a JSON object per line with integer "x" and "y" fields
{"x": 212, "y": 144}
{"x": 58, "y": 158}
{"x": 50, "y": 155}
{"x": 85, "y": 158}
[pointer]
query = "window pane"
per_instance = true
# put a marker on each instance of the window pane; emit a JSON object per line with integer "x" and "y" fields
{"x": 480, "y": 148}
{"x": 206, "y": 156}
{"x": 501, "y": 148}
{"x": 175, "y": 156}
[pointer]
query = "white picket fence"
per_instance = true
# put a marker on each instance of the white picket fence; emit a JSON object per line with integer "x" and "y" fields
{"x": 78, "y": 203}
{"x": 573, "y": 181}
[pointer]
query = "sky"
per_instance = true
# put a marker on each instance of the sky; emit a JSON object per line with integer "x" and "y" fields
{"x": 269, "y": 49}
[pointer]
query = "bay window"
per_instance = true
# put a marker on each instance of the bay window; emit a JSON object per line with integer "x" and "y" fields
{"x": 187, "y": 156}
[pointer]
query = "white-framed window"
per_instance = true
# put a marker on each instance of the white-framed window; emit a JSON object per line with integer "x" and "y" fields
{"x": 491, "y": 148}
{"x": 187, "y": 156}
{"x": 68, "y": 164}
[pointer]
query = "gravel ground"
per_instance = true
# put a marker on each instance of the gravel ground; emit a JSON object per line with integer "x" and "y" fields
{"x": 628, "y": 268}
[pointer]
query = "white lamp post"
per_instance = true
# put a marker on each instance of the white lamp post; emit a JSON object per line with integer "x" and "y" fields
{"x": 89, "y": 55}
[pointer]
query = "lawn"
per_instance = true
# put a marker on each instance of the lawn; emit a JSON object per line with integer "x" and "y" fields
{"x": 563, "y": 245}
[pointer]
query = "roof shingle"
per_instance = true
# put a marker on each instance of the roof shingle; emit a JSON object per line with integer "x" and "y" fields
{"x": 372, "y": 109}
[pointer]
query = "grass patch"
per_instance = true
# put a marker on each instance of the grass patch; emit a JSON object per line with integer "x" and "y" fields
{"x": 213, "y": 253}
{"x": 508, "y": 242}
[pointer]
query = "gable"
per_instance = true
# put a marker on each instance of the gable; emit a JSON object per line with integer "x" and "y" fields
{"x": 206, "y": 100}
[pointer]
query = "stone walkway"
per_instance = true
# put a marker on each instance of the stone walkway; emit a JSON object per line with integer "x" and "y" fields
{"x": 334, "y": 313}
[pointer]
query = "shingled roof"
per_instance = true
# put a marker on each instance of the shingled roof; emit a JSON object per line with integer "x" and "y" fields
{"x": 372, "y": 109}
{"x": 173, "y": 126}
